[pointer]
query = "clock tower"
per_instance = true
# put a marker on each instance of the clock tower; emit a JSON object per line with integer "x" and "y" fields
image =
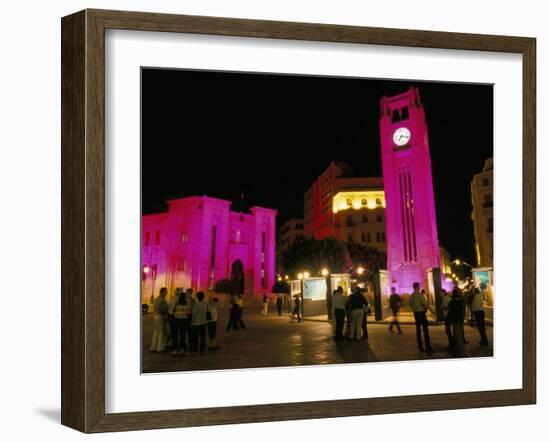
{"x": 411, "y": 227}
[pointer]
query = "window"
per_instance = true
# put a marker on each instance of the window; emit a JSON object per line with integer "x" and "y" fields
{"x": 378, "y": 202}
{"x": 400, "y": 114}
{"x": 378, "y": 218}
{"x": 485, "y": 182}
{"x": 349, "y": 202}
{"x": 157, "y": 237}
{"x": 487, "y": 200}
{"x": 365, "y": 219}
{"x": 184, "y": 237}
{"x": 363, "y": 237}
{"x": 364, "y": 202}
{"x": 383, "y": 236}
{"x": 147, "y": 238}
{"x": 238, "y": 236}
{"x": 350, "y": 237}
{"x": 395, "y": 116}
{"x": 350, "y": 221}
{"x": 489, "y": 225}
{"x": 213, "y": 249}
{"x": 377, "y": 236}
{"x": 369, "y": 238}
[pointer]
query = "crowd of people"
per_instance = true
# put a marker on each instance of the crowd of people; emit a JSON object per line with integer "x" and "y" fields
{"x": 350, "y": 313}
{"x": 186, "y": 323}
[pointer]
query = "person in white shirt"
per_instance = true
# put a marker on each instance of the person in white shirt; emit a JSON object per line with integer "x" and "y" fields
{"x": 265, "y": 305}
{"x": 479, "y": 316}
{"x": 160, "y": 313}
{"x": 339, "y": 308}
{"x": 419, "y": 306}
{"x": 198, "y": 325}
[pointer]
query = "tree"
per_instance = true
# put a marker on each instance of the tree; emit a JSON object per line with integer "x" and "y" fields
{"x": 280, "y": 287}
{"x": 368, "y": 257}
{"x": 312, "y": 255}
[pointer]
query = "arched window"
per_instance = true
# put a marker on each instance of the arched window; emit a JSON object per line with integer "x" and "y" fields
{"x": 365, "y": 219}
{"x": 378, "y": 218}
{"x": 378, "y": 202}
{"x": 349, "y": 202}
{"x": 364, "y": 202}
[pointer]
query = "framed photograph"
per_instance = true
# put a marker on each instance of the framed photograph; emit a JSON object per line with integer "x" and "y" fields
{"x": 266, "y": 221}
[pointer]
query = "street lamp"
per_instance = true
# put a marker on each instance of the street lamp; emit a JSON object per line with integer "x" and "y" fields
{"x": 300, "y": 276}
{"x": 324, "y": 272}
{"x": 306, "y": 275}
{"x": 360, "y": 270}
{"x": 460, "y": 262}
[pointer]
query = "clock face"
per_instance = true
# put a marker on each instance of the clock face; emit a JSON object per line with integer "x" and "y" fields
{"x": 401, "y": 136}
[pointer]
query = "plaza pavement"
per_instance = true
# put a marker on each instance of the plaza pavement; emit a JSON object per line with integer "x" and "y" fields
{"x": 276, "y": 341}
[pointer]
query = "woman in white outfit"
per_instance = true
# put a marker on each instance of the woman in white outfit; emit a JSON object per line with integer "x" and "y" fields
{"x": 160, "y": 313}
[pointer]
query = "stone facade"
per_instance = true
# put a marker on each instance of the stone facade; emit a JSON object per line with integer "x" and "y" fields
{"x": 199, "y": 241}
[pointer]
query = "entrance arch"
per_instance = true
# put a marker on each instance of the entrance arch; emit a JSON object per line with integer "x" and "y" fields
{"x": 237, "y": 277}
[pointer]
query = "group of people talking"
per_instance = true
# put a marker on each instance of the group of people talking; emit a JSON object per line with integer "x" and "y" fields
{"x": 183, "y": 323}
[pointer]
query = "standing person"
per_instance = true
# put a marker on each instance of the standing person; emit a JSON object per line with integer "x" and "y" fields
{"x": 265, "y": 305}
{"x": 395, "y": 305}
{"x": 296, "y": 310}
{"x": 212, "y": 319}
{"x": 190, "y": 301}
{"x": 455, "y": 317}
{"x": 233, "y": 323}
{"x": 446, "y": 299}
{"x": 198, "y": 325}
{"x": 240, "y": 304}
{"x": 347, "y": 325}
{"x": 479, "y": 315}
{"x": 366, "y": 312}
{"x": 160, "y": 313}
{"x": 279, "y": 302}
{"x": 339, "y": 308}
{"x": 419, "y": 306}
{"x": 180, "y": 325}
{"x": 356, "y": 305}
{"x": 468, "y": 299}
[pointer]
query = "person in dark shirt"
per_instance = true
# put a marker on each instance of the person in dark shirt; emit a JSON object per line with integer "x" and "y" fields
{"x": 357, "y": 302}
{"x": 395, "y": 305}
{"x": 455, "y": 317}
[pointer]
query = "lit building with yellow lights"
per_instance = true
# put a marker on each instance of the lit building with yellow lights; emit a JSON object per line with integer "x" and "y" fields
{"x": 482, "y": 214}
{"x": 359, "y": 217}
{"x": 349, "y": 208}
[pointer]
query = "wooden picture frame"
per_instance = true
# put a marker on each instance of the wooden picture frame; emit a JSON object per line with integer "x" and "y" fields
{"x": 83, "y": 220}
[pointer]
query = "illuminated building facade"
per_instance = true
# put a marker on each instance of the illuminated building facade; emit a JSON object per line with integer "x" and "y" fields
{"x": 199, "y": 241}
{"x": 411, "y": 228}
{"x": 482, "y": 214}
{"x": 292, "y": 230}
{"x": 359, "y": 217}
{"x": 342, "y": 206}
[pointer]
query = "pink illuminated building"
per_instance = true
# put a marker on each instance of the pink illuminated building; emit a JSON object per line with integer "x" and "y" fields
{"x": 411, "y": 228}
{"x": 199, "y": 241}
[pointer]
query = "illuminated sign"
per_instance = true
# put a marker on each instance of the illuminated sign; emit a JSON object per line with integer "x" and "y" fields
{"x": 315, "y": 288}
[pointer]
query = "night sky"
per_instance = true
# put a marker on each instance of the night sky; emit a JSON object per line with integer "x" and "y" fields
{"x": 270, "y": 136}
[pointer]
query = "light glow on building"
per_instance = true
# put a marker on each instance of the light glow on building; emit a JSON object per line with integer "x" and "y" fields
{"x": 358, "y": 200}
